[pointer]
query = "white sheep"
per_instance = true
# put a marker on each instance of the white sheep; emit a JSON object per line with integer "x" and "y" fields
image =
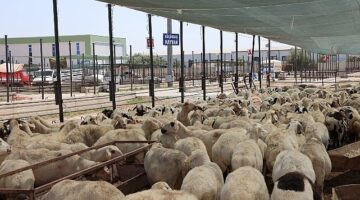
{"x": 294, "y": 186}
{"x": 205, "y": 179}
{"x": 54, "y": 170}
{"x": 161, "y": 185}
{"x": 189, "y": 144}
{"x": 245, "y": 183}
{"x": 159, "y": 194}
{"x": 247, "y": 153}
{"x": 22, "y": 180}
{"x": 319, "y": 131}
{"x": 5, "y": 150}
{"x": 75, "y": 190}
{"x": 166, "y": 165}
{"x": 315, "y": 150}
{"x": 87, "y": 134}
{"x": 293, "y": 161}
{"x": 125, "y": 135}
{"x": 224, "y": 147}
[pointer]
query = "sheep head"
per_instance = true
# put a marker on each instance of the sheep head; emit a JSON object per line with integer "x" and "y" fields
{"x": 170, "y": 128}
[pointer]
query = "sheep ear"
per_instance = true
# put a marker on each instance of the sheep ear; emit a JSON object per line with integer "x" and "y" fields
{"x": 305, "y": 110}
{"x": 297, "y": 109}
{"x": 172, "y": 124}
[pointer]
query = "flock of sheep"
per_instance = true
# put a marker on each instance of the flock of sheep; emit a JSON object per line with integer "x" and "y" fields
{"x": 219, "y": 149}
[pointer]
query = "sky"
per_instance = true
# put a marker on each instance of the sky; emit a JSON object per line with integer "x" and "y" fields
{"x": 25, "y": 18}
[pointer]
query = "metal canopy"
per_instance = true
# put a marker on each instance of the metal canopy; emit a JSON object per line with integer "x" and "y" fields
{"x": 323, "y": 26}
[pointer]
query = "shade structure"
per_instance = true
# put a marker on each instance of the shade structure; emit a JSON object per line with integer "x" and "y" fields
{"x": 322, "y": 26}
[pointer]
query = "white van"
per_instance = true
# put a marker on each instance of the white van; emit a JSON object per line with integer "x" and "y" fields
{"x": 49, "y": 77}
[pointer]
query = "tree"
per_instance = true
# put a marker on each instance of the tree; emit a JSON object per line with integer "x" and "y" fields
{"x": 139, "y": 59}
{"x": 301, "y": 60}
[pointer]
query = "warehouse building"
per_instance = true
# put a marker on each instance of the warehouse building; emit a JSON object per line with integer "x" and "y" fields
{"x": 26, "y": 50}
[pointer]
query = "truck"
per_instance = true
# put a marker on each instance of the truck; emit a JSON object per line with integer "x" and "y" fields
{"x": 16, "y": 74}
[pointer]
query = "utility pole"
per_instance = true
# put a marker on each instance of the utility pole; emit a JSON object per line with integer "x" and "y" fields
{"x": 169, "y": 78}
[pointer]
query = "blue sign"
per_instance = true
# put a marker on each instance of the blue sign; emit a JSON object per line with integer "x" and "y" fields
{"x": 170, "y": 39}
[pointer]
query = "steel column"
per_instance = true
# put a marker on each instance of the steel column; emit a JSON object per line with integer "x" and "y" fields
{"x": 42, "y": 70}
{"x": 221, "y": 63}
{"x": 152, "y": 92}
{"x": 182, "y": 62}
{"x": 203, "y": 82}
{"x": 252, "y": 63}
{"x": 7, "y": 69}
{"x": 94, "y": 66}
{"x": 269, "y": 68}
{"x": 58, "y": 72}
{"x": 71, "y": 87}
{"x": 112, "y": 85}
{"x": 259, "y": 66}
{"x": 237, "y": 63}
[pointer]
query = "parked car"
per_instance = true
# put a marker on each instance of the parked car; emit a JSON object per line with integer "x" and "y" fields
{"x": 49, "y": 77}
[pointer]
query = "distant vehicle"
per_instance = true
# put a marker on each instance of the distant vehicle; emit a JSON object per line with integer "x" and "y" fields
{"x": 99, "y": 78}
{"x": 17, "y": 75}
{"x": 49, "y": 77}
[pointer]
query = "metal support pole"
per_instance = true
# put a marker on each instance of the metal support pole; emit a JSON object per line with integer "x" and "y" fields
{"x": 259, "y": 66}
{"x": 7, "y": 69}
{"x": 182, "y": 62}
{"x": 203, "y": 83}
{"x": 94, "y": 67}
{"x": 83, "y": 68}
{"x": 58, "y": 72}
{"x": 221, "y": 62}
{"x": 237, "y": 63}
{"x": 42, "y": 70}
{"x": 209, "y": 68}
{"x": 152, "y": 92}
{"x": 252, "y": 63}
{"x": 131, "y": 70}
{"x": 71, "y": 86}
{"x": 269, "y": 68}
{"x": 193, "y": 68}
{"x": 170, "y": 76}
{"x": 112, "y": 85}
{"x": 295, "y": 63}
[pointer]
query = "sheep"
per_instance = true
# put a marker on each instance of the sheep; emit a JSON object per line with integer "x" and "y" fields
{"x": 245, "y": 183}
{"x": 247, "y": 153}
{"x": 205, "y": 180}
{"x": 158, "y": 194}
{"x": 102, "y": 154}
{"x": 87, "y": 134}
{"x": 183, "y": 114}
{"x": 149, "y": 126}
{"x": 223, "y": 148}
{"x": 353, "y": 122}
{"x": 276, "y": 142}
{"x": 319, "y": 131}
{"x": 336, "y": 123}
{"x": 22, "y": 180}
{"x": 189, "y": 144}
{"x": 55, "y": 170}
{"x": 123, "y": 135}
{"x": 17, "y": 137}
{"x": 5, "y": 150}
{"x": 161, "y": 185}
{"x": 315, "y": 150}
{"x": 166, "y": 165}
{"x": 74, "y": 190}
{"x": 294, "y": 186}
{"x": 293, "y": 161}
